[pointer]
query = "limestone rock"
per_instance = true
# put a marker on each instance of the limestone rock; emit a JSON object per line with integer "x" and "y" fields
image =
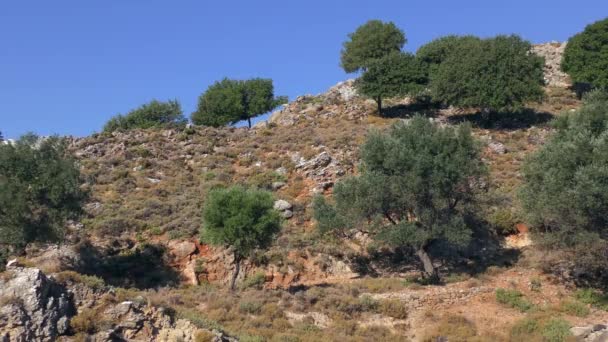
{"x": 282, "y": 205}
{"x": 34, "y": 308}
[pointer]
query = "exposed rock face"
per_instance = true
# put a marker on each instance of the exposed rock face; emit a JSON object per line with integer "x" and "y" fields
{"x": 591, "y": 333}
{"x": 34, "y": 307}
{"x": 553, "y": 52}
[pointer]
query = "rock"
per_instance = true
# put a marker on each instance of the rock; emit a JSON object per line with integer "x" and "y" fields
{"x": 321, "y": 160}
{"x": 591, "y": 333}
{"x": 278, "y": 185}
{"x": 182, "y": 249}
{"x": 153, "y": 180}
{"x": 282, "y": 205}
{"x": 281, "y": 171}
{"x": 287, "y": 214}
{"x": 497, "y": 147}
{"x": 35, "y": 308}
{"x": 552, "y": 52}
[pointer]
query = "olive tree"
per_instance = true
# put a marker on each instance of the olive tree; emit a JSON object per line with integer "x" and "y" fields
{"x": 585, "y": 58}
{"x": 239, "y": 218}
{"x": 153, "y": 114}
{"x": 496, "y": 74}
{"x": 229, "y": 101}
{"x": 392, "y": 75}
{"x": 415, "y": 184}
{"x": 39, "y": 190}
{"x": 372, "y": 40}
{"x": 437, "y": 51}
{"x": 565, "y": 190}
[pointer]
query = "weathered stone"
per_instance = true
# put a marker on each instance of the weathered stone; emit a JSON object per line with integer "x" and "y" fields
{"x": 287, "y": 214}
{"x": 282, "y": 205}
{"x": 36, "y": 308}
{"x": 183, "y": 249}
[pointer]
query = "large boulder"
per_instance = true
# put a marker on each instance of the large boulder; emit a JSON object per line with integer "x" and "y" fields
{"x": 32, "y": 306}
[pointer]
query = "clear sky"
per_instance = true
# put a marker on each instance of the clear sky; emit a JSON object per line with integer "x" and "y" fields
{"x": 67, "y": 66}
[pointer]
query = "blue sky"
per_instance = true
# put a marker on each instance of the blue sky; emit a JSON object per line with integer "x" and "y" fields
{"x": 67, "y": 66}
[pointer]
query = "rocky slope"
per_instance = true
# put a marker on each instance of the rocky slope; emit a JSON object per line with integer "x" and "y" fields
{"x": 134, "y": 268}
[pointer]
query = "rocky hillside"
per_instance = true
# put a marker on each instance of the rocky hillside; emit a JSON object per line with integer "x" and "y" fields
{"x": 134, "y": 268}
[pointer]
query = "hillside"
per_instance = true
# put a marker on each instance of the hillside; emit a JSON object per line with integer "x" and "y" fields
{"x": 135, "y": 268}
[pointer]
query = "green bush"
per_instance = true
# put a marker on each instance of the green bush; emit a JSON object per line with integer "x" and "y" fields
{"x": 513, "y": 299}
{"x": 243, "y": 219}
{"x": 565, "y": 190}
{"x": 556, "y": 330}
{"x": 586, "y": 54}
{"x": 392, "y": 75}
{"x": 39, "y": 190}
{"x": 412, "y": 191}
{"x": 152, "y": 114}
{"x": 256, "y": 281}
{"x": 495, "y": 75}
{"x": 437, "y": 51}
{"x": 369, "y": 42}
{"x": 593, "y": 297}
{"x": 574, "y": 308}
{"x": 229, "y": 101}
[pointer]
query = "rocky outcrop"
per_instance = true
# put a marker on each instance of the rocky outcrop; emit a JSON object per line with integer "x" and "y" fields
{"x": 34, "y": 307}
{"x": 591, "y": 333}
{"x": 552, "y": 52}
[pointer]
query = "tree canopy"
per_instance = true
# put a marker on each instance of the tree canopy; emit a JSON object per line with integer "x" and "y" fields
{"x": 413, "y": 189}
{"x": 39, "y": 190}
{"x": 229, "y": 101}
{"x": 437, "y": 51}
{"x": 241, "y": 218}
{"x": 372, "y": 40}
{"x": 586, "y": 56}
{"x": 392, "y": 75}
{"x": 565, "y": 191}
{"x": 496, "y": 74}
{"x": 152, "y": 114}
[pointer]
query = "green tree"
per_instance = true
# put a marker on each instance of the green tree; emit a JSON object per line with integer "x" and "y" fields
{"x": 436, "y": 52}
{"x": 565, "y": 190}
{"x": 229, "y": 101}
{"x": 152, "y": 114}
{"x": 586, "y": 56}
{"x": 393, "y": 75}
{"x": 496, "y": 74}
{"x": 39, "y": 190}
{"x": 372, "y": 40}
{"x": 243, "y": 219}
{"x": 414, "y": 187}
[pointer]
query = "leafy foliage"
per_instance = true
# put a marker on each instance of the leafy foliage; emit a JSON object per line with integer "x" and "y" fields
{"x": 392, "y": 75}
{"x": 241, "y": 218}
{"x": 586, "y": 56}
{"x": 39, "y": 190}
{"x": 437, "y": 51}
{"x": 514, "y": 299}
{"x": 372, "y": 40}
{"x": 230, "y": 101}
{"x": 152, "y": 114}
{"x": 497, "y": 74}
{"x": 565, "y": 191}
{"x": 414, "y": 185}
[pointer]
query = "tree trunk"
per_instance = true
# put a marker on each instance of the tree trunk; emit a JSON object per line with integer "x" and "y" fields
{"x": 379, "y": 102}
{"x": 237, "y": 268}
{"x": 249, "y": 121}
{"x": 429, "y": 269}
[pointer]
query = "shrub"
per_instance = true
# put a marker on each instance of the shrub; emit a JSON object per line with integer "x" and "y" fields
{"x": 413, "y": 189}
{"x": 39, "y": 190}
{"x": 586, "y": 54}
{"x": 453, "y": 328}
{"x": 243, "y": 219}
{"x": 257, "y": 280}
{"x": 513, "y": 299}
{"x": 230, "y": 101}
{"x": 152, "y": 114}
{"x": 593, "y": 297}
{"x": 437, "y": 51}
{"x": 394, "y": 308}
{"x": 574, "y": 308}
{"x": 93, "y": 282}
{"x": 497, "y": 74}
{"x": 392, "y": 75}
{"x": 565, "y": 190}
{"x": 556, "y": 330}
{"x": 370, "y": 41}
{"x": 250, "y": 307}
